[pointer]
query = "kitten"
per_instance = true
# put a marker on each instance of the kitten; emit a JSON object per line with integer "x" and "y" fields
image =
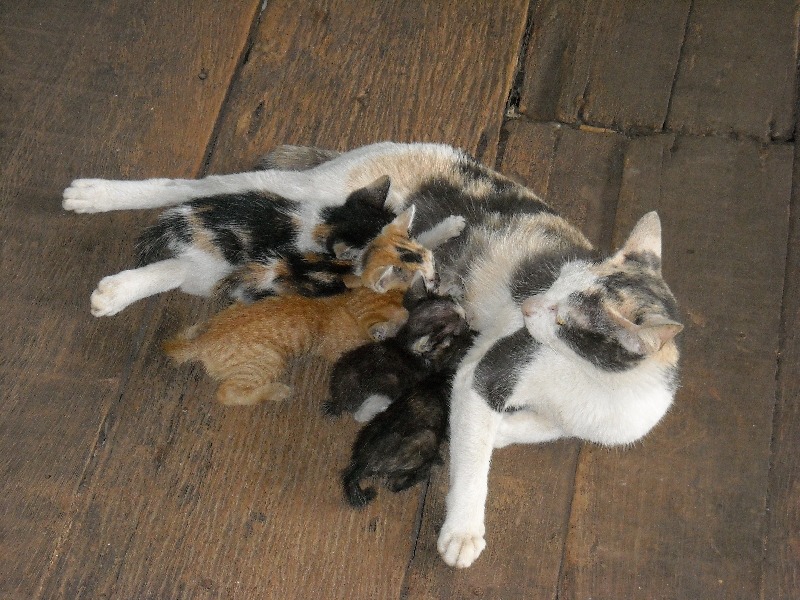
{"x": 367, "y": 379}
{"x": 247, "y": 346}
{"x": 593, "y": 356}
{"x": 402, "y": 443}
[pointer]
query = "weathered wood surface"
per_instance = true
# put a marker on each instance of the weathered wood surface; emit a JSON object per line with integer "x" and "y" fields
{"x": 682, "y": 513}
{"x": 121, "y": 477}
{"x": 88, "y": 88}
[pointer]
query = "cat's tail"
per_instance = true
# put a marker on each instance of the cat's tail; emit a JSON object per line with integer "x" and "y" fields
{"x": 355, "y": 495}
{"x": 183, "y": 346}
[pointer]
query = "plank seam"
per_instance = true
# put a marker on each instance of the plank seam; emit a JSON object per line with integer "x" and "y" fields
{"x": 678, "y": 66}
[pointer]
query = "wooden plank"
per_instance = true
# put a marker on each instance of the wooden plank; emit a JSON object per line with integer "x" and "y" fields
{"x": 608, "y": 63}
{"x": 530, "y": 487}
{"x": 782, "y": 556}
{"x": 259, "y": 488}
{"x": 738, "y": 69}
{"x": 80, "y": 81}
{"x": 682, "y": 513}
{"x": 409, "y": 75}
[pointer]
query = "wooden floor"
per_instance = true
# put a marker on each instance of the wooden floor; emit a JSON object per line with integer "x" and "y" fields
{"x": 120, "y": 477}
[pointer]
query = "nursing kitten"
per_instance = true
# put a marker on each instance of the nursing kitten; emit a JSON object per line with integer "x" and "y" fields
{"x": 593, "y": 356}
{"x": 369, "y": 378}
{"x": 401, "y": 444}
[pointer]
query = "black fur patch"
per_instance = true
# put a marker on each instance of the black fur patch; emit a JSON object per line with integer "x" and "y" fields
{"x": 498, "y": 371}
{"x": 408, "y": 256}
{"x": 360, "y": 219}
{"x": 266, "y": 219}
{"x": 601, "y": 350}
{"x": 155, "y": 241}
{"x": 537, "y": 273}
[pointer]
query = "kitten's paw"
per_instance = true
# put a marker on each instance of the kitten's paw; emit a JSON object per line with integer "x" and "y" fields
{"x": 454, "y": 225}
{"x": 460, "y": 549}
{"x": 376, "y": 403}
{"x": 88, "y": 196}
{"x": 110, "y": 296}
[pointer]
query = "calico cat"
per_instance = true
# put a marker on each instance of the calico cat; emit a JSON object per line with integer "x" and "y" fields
{"x": 367, "y": 379}
{"x": 593, "y": 354}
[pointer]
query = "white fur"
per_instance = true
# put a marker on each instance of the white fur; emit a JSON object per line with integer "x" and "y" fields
{"x": 376, "y": 403}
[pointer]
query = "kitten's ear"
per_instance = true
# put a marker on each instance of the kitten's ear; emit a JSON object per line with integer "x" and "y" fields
{"x": 416, "y": 292}
{"x": 647, "y": 338}
{"x": 382, "y": 284}
{"x": 374, "y": 194}
{"x": 404, "y": 219}
{"x": 352, "y": 281}
{"x": 644, "y": 243}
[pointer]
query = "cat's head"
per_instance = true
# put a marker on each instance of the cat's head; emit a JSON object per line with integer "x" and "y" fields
{"x": 393, "y": 259}
{"x": 347, "y": 229}
{"x": 615, "y": 313}
{"x": 437, "y": 327}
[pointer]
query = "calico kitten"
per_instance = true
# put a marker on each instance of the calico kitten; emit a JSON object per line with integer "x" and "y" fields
{"x": 367, "y": 379}
{"x": 595, "y": 360}
{"x": 402, "y": 443}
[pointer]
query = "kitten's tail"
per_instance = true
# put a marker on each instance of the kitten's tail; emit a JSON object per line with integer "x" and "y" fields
{"x": 183, "y": 346}
{"x": 356, "y": 497}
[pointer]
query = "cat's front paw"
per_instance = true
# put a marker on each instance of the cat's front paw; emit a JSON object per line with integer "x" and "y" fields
{"x": 111, "y": 295}
{"x": 455, "y": 225}
{"x": 460, "y": 548}
{"x": 88, "y": 196}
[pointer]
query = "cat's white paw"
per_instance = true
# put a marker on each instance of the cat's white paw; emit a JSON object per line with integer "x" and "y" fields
{"x": 376, "y": 403}
{"x": 455, "y": 225}
{"x": 88, "y": 196}
{"x": 459, "y": 548}
{"x": 111, "y": 295}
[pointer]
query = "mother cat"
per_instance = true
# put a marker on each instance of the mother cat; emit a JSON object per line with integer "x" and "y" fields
{"x": 569, "y": 344}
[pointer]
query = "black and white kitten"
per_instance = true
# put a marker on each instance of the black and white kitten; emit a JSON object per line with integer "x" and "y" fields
{"x": 574, "y": 345}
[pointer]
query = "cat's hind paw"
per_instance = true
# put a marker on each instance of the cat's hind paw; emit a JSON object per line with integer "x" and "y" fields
{"x": 460, "y": 549}
{"x": 88, "y": 196}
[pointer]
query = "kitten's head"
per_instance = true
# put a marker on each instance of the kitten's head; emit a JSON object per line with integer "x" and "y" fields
{"x": 393, "y": 259}
{"x": 615, "y": 313}
{"x": 345, "y": 230}
{"x": 437, "y": 328}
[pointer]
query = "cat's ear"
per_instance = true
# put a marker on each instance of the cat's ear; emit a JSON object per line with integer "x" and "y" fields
{"x": 644, "y": 243}
{"x": 404, "y": 219}
{"x": 352, "y": 281}
{"x": 374, "y": 194}
{"x": 647, "y": 338}
{"x": 383, "y": 282}
{"x": 387, "y": 329}
{"x": 343, "y": 251}
{"x": 416, "y": 292}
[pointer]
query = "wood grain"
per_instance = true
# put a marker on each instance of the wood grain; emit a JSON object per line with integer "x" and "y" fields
{"x": 737, "y": 71}
{"x": 94, "y": 89}
{"x": 681, "y": 514}
{"x": 782, "y": 544}
{"x": 607, "y": 63}
{"x": 341, "y": 74}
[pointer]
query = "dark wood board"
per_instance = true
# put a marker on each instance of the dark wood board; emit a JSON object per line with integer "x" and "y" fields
{"x": 738, "y": 69}
{"x": 530, "y": 487}
{"x": 415, "y": 71}
{"x": 782, "y": 545}
{"x": 246, "y": 502}
{"x": 681, "y": 514}
{"x": 88, "y": 88}
{"x": 608, "y": 63}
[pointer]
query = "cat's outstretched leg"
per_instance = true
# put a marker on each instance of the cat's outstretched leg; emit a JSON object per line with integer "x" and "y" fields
{"x": 443, "y": 231}
{"x": 473, "y": 425}
{"x": 116, "y": 292}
